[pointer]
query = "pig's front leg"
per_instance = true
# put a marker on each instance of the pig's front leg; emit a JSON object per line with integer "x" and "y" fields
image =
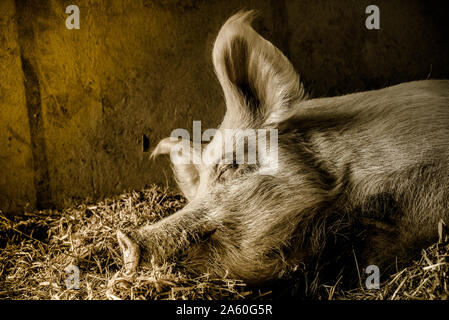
{"x": 165, "y": 238}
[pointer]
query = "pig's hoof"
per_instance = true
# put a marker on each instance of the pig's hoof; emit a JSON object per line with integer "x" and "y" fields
{"x": 131, "y": 252}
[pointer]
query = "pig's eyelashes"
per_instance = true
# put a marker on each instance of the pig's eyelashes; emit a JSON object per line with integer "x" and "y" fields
{"x": 227, "y": 171}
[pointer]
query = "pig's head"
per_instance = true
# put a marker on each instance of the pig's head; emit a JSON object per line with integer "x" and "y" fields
{"x": 250, "y": 211}
{"x": 260, "y": 86}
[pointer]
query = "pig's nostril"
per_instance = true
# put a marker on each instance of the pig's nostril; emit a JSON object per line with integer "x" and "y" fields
{"x": 122, "y": 240}
{"x": 130, "y": 251}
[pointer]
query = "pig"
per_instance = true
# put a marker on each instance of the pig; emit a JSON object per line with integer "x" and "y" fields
{"x": 339, "y": 160}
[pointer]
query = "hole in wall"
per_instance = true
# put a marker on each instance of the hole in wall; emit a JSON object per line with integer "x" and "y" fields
{"x": 145, "y": 143}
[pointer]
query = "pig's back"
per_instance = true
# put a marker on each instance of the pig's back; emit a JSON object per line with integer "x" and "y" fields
{"x": 377, "y": 132}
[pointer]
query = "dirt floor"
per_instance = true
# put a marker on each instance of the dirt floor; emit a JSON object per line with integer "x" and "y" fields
{"x": 37, "y": 248}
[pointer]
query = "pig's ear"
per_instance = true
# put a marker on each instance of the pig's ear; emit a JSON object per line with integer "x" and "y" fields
{"x": 186, "y": 174}
{"x": 258, "y": 81}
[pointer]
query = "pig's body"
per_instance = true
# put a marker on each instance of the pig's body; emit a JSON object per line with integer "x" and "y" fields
{"x": 338, "y": 157}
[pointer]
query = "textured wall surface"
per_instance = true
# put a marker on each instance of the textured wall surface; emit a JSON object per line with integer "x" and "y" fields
{"x": 75, "y": 104}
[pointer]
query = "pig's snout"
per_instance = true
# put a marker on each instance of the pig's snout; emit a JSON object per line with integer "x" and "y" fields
{"x": 130, "y": 252}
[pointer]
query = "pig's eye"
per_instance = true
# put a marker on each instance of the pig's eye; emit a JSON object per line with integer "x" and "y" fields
{"x": 227, "y": 171}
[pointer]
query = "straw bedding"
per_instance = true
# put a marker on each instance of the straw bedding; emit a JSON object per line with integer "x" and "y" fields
{"x": 37, "y": 247}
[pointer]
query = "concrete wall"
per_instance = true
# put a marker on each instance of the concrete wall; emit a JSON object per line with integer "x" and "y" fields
{"x": 75, "y": 104}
